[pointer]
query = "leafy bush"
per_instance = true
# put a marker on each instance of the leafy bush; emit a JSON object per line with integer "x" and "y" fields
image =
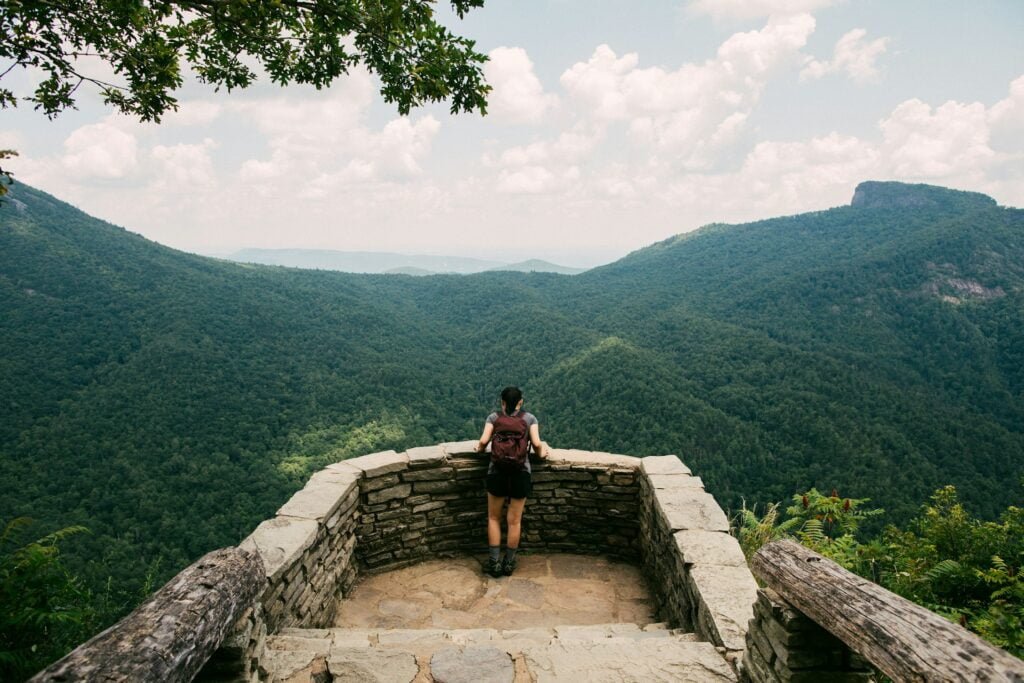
{"x": 46, "y": 611}
{"x": 43, "y": 609}
{"x": 753, "y": 531}
{"x": 963, "y": 568}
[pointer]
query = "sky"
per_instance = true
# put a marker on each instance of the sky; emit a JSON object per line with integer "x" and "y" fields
{"x": 611, "y": 125}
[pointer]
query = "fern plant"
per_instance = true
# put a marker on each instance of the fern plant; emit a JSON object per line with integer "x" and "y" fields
{"x": 42, "y": 607}
{"x": 833, "y": 515}
{"x": 965, "y": 569}
{"x": 753, "y": 531}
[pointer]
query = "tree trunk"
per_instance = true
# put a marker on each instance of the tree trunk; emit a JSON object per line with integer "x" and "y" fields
{"x": 169, "y": 637}
{"x": 906, "y": 641}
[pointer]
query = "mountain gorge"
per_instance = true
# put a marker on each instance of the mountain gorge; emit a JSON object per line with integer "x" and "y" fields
{"x": 170, "y": 402}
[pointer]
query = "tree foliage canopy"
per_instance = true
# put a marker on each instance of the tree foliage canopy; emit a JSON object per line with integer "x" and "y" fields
{"x": 147, "y": 42}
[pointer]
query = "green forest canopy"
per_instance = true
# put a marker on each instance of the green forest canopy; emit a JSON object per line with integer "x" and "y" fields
{"x": 170, "y": 402}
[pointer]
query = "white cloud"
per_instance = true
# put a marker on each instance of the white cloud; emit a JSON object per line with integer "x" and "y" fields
{"x": 320, "y": 126}
{"x": 614, "y": 88}
{"x": 853, "y": 56}
{"x": 314, "y": 125}
{"x": 694, "y": 111}
{"x": 100, "y": 151}
{"x": 391, "y": 155}
{"x": 526, "y": 180}
{"x": 323, "y": 151}
{"x": 729, "y": 129}
{"x": 781, "y": 175}
{"x": 328, "y": 184}
{"x": 953, "y": 144}
{"x": 256, "y": 171}
{"x": 1006, "y": 120}
{"x": 544, "y": 166}
{"x": 754, "y": 53}
{"x": 324, "y": 142}
{"x": 536, "y": 179}
{"x": 568, "y": 147}
{"x": 753, "y": 9}
{"x": 951, "y": 140}
{"x": 185, "y": 165}
{"x": 402, "y": 143}
{"x": 600, "y": 83}
{"x": 517, "y": 95}
{"x": 670, "y": 120}
{"x": 775, "y": 178}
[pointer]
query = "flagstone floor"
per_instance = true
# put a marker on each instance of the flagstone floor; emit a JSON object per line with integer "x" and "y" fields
{"x": 544, "y": 591}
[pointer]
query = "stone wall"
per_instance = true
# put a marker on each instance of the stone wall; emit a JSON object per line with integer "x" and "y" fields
{"x": 784, "y": 646}
{"x": 695, "y": 565}
{"x": 430, "y": 502}
{"x": 387, "y": 510}
{"x": 308, "y": 553}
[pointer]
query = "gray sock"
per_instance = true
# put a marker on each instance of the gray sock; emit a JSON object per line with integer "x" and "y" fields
{"x": 510, "y": 554}
{"x": 494, "y": 551}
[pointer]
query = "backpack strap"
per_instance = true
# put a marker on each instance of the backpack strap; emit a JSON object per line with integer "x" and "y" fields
{"x": 529, "y": 442}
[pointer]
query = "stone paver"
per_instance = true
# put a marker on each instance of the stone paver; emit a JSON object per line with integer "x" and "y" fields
{"x": 626, "y": 661}
{"x": 727, "y": 597}
{"x": 546, "y": 590}
{"x": 366, "y": 665}
{"x": 709, "y": 548}
{"x": 663, "y": 464}
{"x": 475, "y": 664}
{"x": 322, "y": 496}
{"x": 280, "y": 540}
{"x": 566, "y": 654}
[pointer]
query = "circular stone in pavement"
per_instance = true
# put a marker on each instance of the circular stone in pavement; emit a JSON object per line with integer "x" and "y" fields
{"x": 474, "y": 664}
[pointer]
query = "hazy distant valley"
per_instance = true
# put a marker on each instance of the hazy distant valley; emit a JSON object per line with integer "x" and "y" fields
{"x": 390, "y": 263}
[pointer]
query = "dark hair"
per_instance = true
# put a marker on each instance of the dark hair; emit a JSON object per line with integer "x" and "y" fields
{"x": 511, "y": 396}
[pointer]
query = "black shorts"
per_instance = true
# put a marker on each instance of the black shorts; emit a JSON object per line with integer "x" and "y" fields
{"x": 509, "y": 484}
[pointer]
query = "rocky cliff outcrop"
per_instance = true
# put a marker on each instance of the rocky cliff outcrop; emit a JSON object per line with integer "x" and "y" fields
{"x": 873, "y": 194}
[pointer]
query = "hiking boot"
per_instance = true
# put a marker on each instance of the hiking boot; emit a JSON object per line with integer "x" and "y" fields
{"x": 493, "y": 567}
{"x": 508, "y": 566}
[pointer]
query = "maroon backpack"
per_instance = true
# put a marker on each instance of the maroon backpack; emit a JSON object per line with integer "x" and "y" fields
{"x": 510, "y": 442}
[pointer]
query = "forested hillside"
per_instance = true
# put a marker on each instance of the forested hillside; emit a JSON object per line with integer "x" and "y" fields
{"x": 170, "y": 402}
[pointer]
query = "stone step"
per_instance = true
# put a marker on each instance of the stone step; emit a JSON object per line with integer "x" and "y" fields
{"x": 418, "y": 639}
{"x": 602, "y": 652}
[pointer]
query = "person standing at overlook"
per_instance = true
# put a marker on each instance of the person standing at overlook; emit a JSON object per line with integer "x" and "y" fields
{"x": 510, "y": 435}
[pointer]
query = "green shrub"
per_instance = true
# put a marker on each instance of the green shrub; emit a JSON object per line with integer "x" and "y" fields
{"x": 43, "y": 609}
{"x": 963, "y": 568}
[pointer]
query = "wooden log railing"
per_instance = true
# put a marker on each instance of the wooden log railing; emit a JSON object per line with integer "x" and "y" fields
{"x": 905, "y": 641}
{"x": 169, "y": 637}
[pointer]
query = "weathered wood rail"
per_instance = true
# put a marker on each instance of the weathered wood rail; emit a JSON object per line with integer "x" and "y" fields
{"x": 169, "y": 637}
{"x": 905, "y": 641}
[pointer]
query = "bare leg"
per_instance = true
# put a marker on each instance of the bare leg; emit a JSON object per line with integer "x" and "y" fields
{"x": 494, "y": 505}
{"x": 515, "y": 521}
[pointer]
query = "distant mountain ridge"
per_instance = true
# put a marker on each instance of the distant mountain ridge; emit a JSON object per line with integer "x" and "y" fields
{"x": 170, "y": 402}
{"x": 388, "y": 262}
{"x": 539, "y": 266}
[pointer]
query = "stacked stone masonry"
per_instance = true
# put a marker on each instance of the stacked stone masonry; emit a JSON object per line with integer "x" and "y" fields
{"x": 696, "y": 566}
{"x": 784, "y": 646}
{"x": 388, "y": 510}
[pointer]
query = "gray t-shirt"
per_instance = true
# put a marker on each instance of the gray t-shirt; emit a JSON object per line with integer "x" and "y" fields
{"x": 530, "y": 421}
